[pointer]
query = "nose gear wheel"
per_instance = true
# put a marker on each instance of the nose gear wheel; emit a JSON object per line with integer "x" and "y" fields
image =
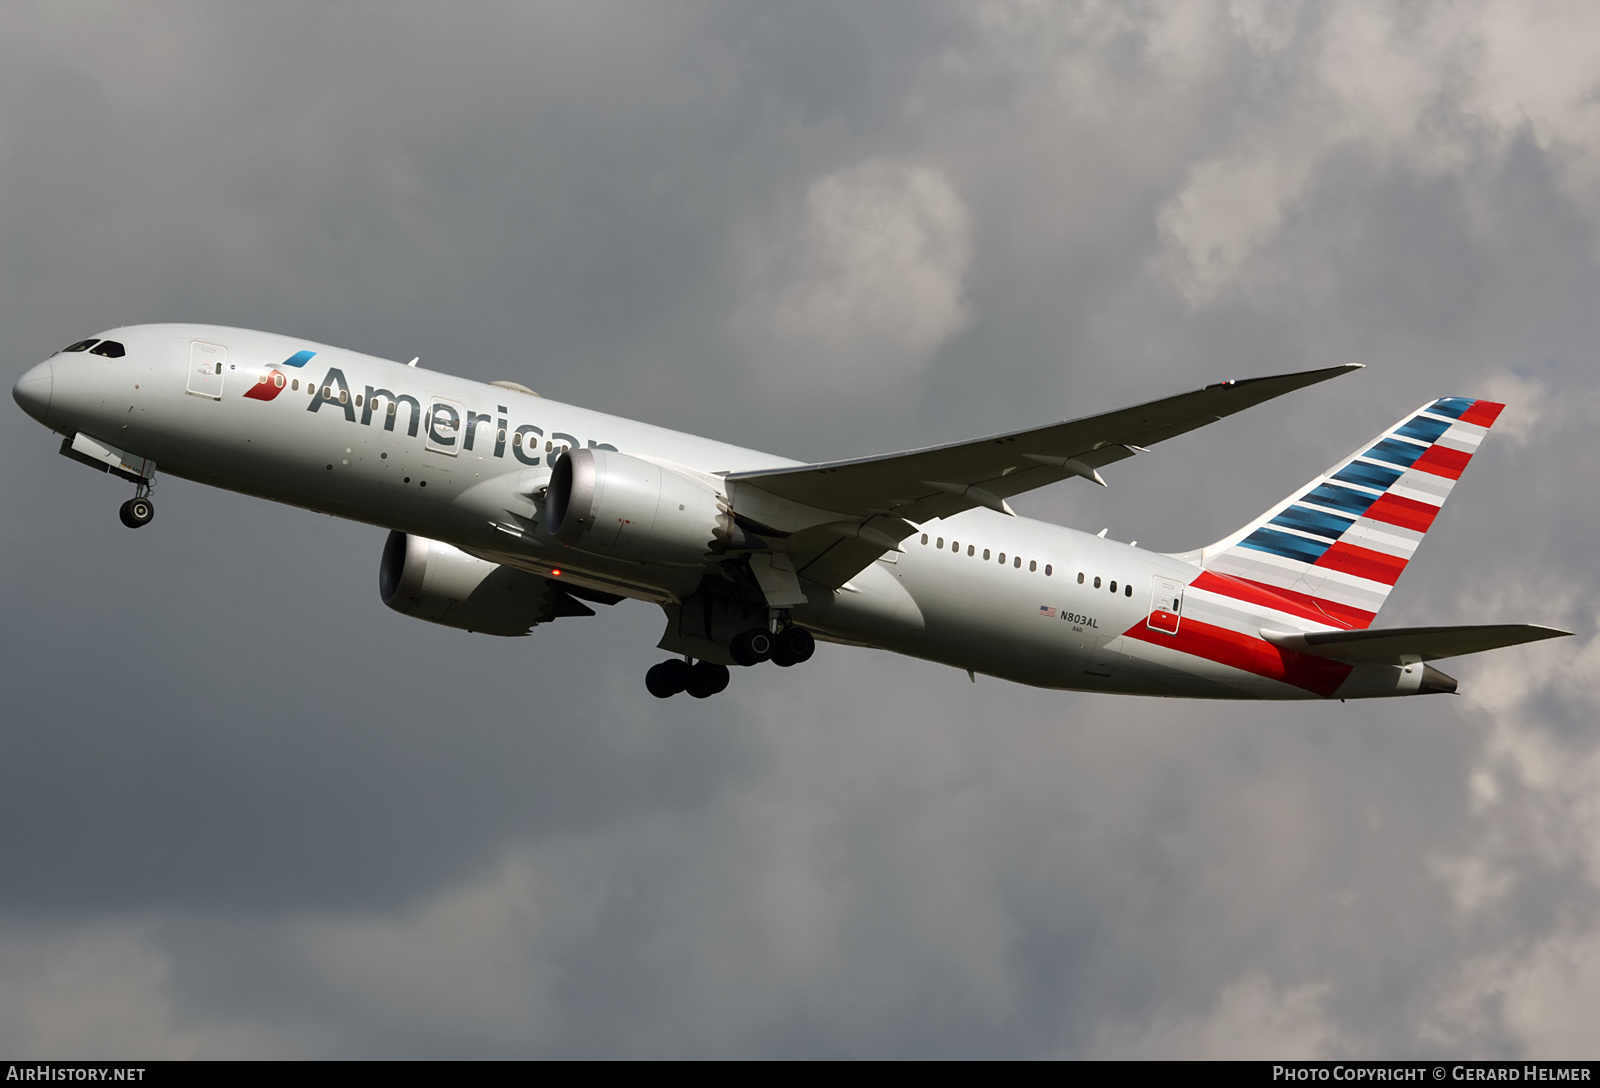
{"x": 137, "y": 512}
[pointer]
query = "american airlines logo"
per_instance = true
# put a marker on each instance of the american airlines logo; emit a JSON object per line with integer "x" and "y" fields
{"x": 450, "y": 427}
{"x": 270, "y": 384}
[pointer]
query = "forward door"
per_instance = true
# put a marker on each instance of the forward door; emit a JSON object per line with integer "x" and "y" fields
{"x": 206, "y": 364}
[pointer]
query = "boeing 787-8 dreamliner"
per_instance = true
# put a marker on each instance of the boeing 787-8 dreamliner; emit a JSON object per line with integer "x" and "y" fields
{"x": 507, "y": 510}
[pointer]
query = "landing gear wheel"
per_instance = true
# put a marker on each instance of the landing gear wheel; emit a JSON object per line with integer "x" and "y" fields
{"x": 751, "y": 647}
{"x": 137, "y": 512}
{"x": 792, "y": 646}
{"x": 706, "y": 679}
{"x": 667, "y": 679}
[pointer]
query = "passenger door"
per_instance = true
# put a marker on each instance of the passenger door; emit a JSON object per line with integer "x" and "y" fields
{"x": 1166, "y": 605}
{"x": 206, "y": 364}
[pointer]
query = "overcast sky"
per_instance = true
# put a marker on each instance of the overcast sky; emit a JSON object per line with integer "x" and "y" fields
{"x": 248, "y": 811}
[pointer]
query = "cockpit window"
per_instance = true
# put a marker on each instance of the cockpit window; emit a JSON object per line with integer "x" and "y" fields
{"x": 109, "y": 348}
{"x": 81, "y": 345}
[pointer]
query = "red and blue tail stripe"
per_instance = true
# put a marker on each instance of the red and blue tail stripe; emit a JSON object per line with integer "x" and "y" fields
{"x": 1332, "y": 551}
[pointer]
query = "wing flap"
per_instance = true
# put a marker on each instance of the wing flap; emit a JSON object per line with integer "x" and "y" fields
{"x": 1408, "y": 645}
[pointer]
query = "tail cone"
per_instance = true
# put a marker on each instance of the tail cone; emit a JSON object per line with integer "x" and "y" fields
{"x": 1435, "y": 682}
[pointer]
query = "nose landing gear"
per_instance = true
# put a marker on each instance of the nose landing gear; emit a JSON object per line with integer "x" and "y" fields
{"x": 138, "y": 511}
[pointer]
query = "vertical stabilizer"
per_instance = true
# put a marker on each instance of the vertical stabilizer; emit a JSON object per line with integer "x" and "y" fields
{"x": 1334, "y": 549}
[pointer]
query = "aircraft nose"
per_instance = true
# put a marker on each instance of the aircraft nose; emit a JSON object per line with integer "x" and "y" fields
{"x": 32, "y": 391}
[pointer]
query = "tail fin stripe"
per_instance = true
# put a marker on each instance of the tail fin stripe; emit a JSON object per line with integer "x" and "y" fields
{"x": 1464, "y": 437}
{"x": 1443, "y": 461}
{"x": 1450, "y": 406}
{"x": 1282, "y": 600}
{"x": 1340, "y": 594}
{"x": 1340, "y": 543}
{"x": 1423, "y": 429}
{"x": 1308, "y": 520}
{"x": 1363, "y": 563}
{"x": 1363, "y": 474}
{"x": 1335, "y": 587}
{"x": 1423, "y": 487}
{"x": 1389, "y": 539}
{"x": 1342, "y": 498}
{"x": 1344, "y": 587}
{"x": 1287, "y": 545}
{"x": 1406, "y": 513}
{"x": 1392, "y": 451}
{"x": 1483, "y": 413}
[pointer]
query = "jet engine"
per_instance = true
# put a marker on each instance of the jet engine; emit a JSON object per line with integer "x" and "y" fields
{"x": 427, "y": 580}
{"x": 608, "y": 503}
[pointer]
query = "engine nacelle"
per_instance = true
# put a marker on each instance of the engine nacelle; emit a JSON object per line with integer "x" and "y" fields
{"x": 427, "y": 580}
{"x": 608, "y": 503}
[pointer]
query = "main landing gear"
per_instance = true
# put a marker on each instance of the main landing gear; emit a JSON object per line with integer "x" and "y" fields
{"x": 138, "y": 511}
{"x": 701, "y": 680}
{"x": 789, "y": 646}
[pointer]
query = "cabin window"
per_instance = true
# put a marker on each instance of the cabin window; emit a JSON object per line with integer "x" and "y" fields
{"x": 955, "y": 545}
{"x": 1047, "y": 569}
{"x": 1002, "y": 559}
{"x": 1127, "y": 591}
{"x": 971, "y": 550}
{"x": 986, "y": 554}
{"x": 502, "y": 438}
{"x": 1016, "y": 561}
{"x": 1097, "y": 581}
{"x": 81, "y": 345}
{"x": 516, "y": 439}
{"x": 1033, "y": 564}
{"x": 277, "y": 380}
{"x": 109, "y": 348}
{"x": 358, "y": 400}
{"x": 344, "y": 397}
{"x": 1080, "y": 577}
{"x": 1113, "y": 585}
{"x": 391, "y": 408}
{"x": 295, "y": 385}
{"x": 924, "y": 538}
{"x": 941, "y": 544}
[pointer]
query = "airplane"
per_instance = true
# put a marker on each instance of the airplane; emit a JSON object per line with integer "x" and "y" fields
{"x": 507, "y": 510}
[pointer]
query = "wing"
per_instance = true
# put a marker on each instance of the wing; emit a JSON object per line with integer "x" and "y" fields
{"x": 921, "y": 485}
{"x": 875, "y": 500}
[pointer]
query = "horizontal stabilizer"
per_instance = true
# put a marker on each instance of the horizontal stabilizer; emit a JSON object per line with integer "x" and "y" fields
{"x": 1408, "y": 645}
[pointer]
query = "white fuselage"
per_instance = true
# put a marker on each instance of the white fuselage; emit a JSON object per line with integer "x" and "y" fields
{"x": 1055, "y": 612}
